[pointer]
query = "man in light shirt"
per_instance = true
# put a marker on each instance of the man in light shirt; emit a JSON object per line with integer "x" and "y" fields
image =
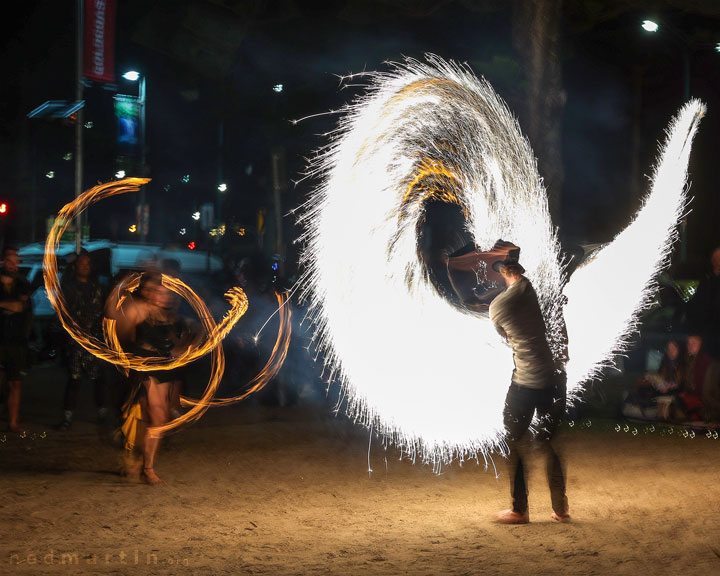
{"x": 537, "y": 385}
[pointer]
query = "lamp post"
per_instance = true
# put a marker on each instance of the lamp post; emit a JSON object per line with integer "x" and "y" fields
{"x": 79, "y": 89}
{"x": 680, "y": 40}
{"x": 653, "y": 27}
{"x": 134, "y": 76}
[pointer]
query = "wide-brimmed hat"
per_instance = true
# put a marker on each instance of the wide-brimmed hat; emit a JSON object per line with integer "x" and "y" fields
{"x": 512, "y": 258}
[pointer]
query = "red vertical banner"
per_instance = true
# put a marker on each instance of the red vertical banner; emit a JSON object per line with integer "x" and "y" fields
{"x": 99, "y": 41}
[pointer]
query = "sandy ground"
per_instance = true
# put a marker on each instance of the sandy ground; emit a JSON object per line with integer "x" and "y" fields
{"x": 255, "y": 489}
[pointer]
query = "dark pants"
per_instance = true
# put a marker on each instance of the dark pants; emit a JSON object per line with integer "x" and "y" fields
{"x": 520, "y": 406}
{"x": 71, "y": 393}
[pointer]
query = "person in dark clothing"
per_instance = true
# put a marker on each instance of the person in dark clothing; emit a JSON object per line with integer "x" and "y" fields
{"x": 704, "y": 307}
{"x": 15, "y": 323}
{"x": 85, "y": 303}
{"x": 537, "y": 385}
{"x": 696, "y": 370}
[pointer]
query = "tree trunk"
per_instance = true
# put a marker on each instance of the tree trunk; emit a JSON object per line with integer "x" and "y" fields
{"x": 536, "y": 37}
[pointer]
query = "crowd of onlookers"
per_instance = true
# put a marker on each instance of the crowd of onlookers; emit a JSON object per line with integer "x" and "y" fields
{"x": 85, "y": 297}
{"x": 25, "y": 341}
{"x": 684, "y": 387}
{"x": 686, "y": 384}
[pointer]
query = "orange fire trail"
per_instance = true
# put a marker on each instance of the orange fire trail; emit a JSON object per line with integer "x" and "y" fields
{"x": 235, "y": 296}
{"x": 111, "y": 351}
{"x": 273, "y": 365}
{"x": 217, "y": 353}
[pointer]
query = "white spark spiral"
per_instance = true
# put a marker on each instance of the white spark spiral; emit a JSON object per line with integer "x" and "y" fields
{"x": 429, "y": 376}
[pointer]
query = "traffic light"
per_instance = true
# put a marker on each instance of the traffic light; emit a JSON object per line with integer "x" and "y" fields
{"x": 3, "y": 208}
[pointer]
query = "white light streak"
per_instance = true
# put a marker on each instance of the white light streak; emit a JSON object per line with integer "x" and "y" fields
{"x": 426, "y": 375}
{"x": 606, "y": 295}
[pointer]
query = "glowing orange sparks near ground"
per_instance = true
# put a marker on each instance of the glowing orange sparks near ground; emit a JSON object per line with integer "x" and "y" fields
{"x": 111, "y": 351}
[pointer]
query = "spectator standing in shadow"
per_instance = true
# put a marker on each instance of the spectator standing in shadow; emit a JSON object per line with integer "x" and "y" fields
{"x": 704, "y": 308}
{"x": 15, "y": 325}
{"x": 85, "y": 303}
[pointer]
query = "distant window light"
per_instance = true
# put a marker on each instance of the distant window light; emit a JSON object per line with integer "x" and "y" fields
{"x": 196, "y": 215}
{"x": 131, "y": 75}
{"x": 222, "y": 187}
{"x": 278, "y": 88}
{"x": 183, "y": 231}
{"x": 67, "y": 156}
{"x": 248, "y": 169}
{"x": 120, "y": 174}
{"x": 132, "y": 228}
{"x": 88, "y": 125}
{"x": 186, "y": 178}
{"x": 717, "y": 47}
{"x": 50, "y": 175}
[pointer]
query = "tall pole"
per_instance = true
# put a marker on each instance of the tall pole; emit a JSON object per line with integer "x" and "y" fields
{"x": 277, "y": 201}
{"x": 79, "y": 122}
{"x": 221, "y": 143}
{"x": 143, "y": 105}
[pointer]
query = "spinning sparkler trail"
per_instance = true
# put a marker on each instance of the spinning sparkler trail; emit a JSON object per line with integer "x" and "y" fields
{"x": 428, "y": 376}
{"x": 111, "y": 351}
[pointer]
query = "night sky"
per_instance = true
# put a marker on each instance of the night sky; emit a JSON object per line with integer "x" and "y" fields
{"x": 211, "y": 67}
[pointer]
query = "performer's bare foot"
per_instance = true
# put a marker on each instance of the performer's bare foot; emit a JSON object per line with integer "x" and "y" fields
{"x": 562, "y": 517}
{"x": 130, "y": 467}
{"x": 510, "y": 516}
{"x": 151, "y": 478}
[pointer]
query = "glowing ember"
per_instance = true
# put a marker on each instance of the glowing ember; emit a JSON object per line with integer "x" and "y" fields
{"x": 428, "y": 376}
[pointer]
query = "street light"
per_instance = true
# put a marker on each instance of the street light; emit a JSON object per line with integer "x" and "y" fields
{"x": 684, "y": 43}
{"x": 681, "y": 41}
{"x": 134, "y": 76}
{"x": 650, "y": 26}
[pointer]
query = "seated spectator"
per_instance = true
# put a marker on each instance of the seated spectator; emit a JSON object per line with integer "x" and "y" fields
{"x": 653, "y": 393}
{"x": 668, "y": 378}
{"x": 711, "y": 393}
{"x": 689, "y": 404}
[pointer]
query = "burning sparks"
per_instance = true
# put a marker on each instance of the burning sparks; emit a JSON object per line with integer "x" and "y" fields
{"x": 110, "y": 349}
{"x": 427, "y": 375}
